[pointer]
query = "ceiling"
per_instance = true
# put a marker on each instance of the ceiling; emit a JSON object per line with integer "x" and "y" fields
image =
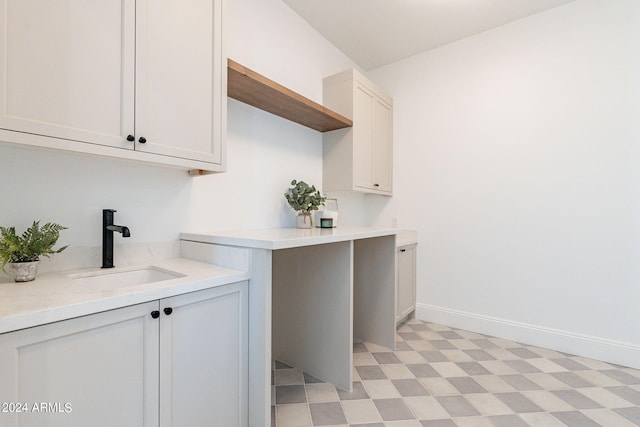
{"x": 374, "y": 33}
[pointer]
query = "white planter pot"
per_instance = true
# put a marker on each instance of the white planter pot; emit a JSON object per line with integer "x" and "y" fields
{"x": 23, "y": 271}
{"x": 303, "y": 220}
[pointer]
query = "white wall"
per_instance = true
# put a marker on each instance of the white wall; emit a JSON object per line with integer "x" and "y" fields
{"x": 264, "y": 153}
{"x": 517, "y": 154}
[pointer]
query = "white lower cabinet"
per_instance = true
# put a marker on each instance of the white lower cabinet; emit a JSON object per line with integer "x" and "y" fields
{"x": 180, "y": 361}
{"x": 406, "y": 282}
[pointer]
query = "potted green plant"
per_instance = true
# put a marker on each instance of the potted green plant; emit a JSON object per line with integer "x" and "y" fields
{"x": 20, "y": 254}
{"x": 304, "y": 198}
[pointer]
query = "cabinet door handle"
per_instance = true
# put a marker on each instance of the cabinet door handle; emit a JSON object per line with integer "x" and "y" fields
{"x": 403, "y": 250}
{"x": 168, "y": 310}
{"x": 155, "y": 314}
{"x": 142, "y": 140}
{"x": 376, "y": 185}
{"x": 131, "y": 138}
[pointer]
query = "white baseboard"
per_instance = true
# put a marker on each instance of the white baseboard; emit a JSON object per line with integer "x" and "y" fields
{"x": 620, "y": 353}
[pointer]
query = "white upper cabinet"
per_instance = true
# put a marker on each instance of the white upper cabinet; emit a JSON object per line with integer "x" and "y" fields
{"x": 67, "y": 69}
{"x": 142, "y": 80}
{"x": 179, "y": 85}
{"x": 359, "y": 158}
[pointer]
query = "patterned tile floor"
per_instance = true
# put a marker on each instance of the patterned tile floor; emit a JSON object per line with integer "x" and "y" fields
{"x": 445, "y": 377}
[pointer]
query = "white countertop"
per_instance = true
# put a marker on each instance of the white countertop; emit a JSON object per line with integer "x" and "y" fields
{"x": 283, "y": 238}
{"x": 55, "y": 296}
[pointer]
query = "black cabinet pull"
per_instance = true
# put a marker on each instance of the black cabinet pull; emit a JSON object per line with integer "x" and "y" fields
{"x": 403, "y": 250}
{"x": 155, "y": 314}
{"x": 142, "y": 140}
{"x": 168, "y": 310}
{"x": 131, "y": 138}
{"x": 376, "y": 185}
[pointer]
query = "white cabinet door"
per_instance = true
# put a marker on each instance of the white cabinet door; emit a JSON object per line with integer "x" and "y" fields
{"x": 360, "y": 158}
{"x": 383, "y": 146}
{"x": 204, "y": 359}
{"x": 406, "y": 281}
{"x": 67, "y": 69}
{"x": 363, "y": 137}
{"x": 135, "y": 79}
{"x": 180, "y": 79}
{"x": 98, "y": 370}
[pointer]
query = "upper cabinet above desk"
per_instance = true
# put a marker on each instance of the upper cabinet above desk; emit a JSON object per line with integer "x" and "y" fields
{"x": 254, "y": 89}
{"x": 140, "y": 80}
{"x": 359, "y": 158}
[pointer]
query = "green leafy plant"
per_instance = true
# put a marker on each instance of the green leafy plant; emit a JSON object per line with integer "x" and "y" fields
{"x": 35, "y": 242}
{"x": 303, "y": 197}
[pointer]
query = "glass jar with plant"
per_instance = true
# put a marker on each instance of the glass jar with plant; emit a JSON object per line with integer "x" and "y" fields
{"x": 304, "y": 199}
{"x": 20, "y": 254}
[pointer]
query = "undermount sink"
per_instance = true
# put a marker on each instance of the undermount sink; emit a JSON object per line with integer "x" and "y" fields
{"x": 124, "y": 277}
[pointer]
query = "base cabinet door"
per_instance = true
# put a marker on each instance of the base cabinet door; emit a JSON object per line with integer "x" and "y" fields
{"x": 180, "y": 361}
{"x": 98, "y": 370}
{"x": 204, "y": 358}
{"x": 406, "y": 282}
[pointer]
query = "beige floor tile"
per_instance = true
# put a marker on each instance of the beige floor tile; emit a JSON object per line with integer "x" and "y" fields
{"x": 363, "y": 359}
{"x": 430, "y": 335}
{"x": 501, "y": 353}
{"x": 421, "y": 345}
{"x": 547, "y": 381}
{"x": 542, "y": 419}
{"x": 548, "y": 401}
{"x": 604, "y": 397}
{"x": 464, "y": 344}
{"x": 474, "y": 422}
{"x": 449, "y": 369}
{"x": 457, "y": 355}
{"x": 426, "y": 408}
{"x": 545, "y": 352}
{"x": 405, "y": 328}
{"x": 360, "y": 411}
{"x": 375, "y": 348}
{"x": 410, "y": 357}
{"x": 321, "y": 392}
{"x": 403, "y": 423}
{"x": 488, "y": 404}
{"x": 380, "y": 389}
{"x": 494, "y": 384}
{"x": 295, "y": 415}
{"x": 437, "y": 327}
{"x": 469, "y": 335}
{"x": 598, "y": 378}
{"x": 606, "y": 417}
{"x": 497, "y": 367}
{"x": 593, "y": 364}
{"x": 437, "y": 386}
{"x": 546, "y": 365}
{"x": 505, "y": 343}
{"x": 396, "y": 371}
{"x": 356, "y": 376}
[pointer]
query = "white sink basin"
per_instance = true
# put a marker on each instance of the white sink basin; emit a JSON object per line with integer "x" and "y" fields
{"x": 124, "y": 277}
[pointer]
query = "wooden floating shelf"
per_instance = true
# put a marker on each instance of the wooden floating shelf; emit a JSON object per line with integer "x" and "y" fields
{"x": 249, "y": 87}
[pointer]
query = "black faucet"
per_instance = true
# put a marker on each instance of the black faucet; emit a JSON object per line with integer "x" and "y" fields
{"x": 108, "y": 227}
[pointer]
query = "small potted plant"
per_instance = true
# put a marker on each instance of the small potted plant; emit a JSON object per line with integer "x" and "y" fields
{"x": 304, "y": 198}
{"x": 20, "y": 254}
